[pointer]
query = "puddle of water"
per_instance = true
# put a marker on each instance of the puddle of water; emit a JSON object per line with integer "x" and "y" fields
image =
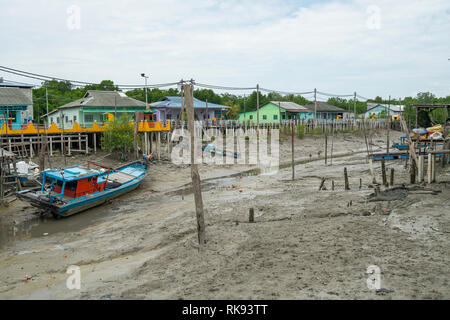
{"x": 38, "y": 226}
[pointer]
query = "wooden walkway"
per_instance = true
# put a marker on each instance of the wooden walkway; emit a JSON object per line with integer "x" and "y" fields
{"x": 144, "y": 126}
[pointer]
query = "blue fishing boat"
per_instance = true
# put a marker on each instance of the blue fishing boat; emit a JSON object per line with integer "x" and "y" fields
{"x": 68, "y": 191}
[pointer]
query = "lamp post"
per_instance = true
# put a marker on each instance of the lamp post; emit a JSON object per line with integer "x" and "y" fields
{"x": 146, "y": 77}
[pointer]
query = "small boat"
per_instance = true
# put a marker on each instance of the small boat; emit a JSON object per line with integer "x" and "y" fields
{"x": 68, "y": 191}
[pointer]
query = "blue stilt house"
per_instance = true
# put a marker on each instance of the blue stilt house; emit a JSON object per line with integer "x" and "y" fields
{"x": 16, "y": 104}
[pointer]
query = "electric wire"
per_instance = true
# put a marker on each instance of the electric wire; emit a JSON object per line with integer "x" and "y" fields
{"x": 76, "y": 82}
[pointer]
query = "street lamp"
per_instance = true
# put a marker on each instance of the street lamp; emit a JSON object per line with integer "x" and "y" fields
{"x": 146, "y": 77}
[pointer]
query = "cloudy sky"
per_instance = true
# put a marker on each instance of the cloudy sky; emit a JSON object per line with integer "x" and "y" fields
{"x": 383, "y": 48}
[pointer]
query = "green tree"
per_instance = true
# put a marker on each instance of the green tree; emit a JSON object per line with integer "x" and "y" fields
{"x": 118, "y": 135}
{"x": 233, "y": 112}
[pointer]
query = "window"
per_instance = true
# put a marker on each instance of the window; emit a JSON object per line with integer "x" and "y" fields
{"x": 74, "y": 118}
{"x": 72, "y": 186}
{"x": 264, "y": 117}
{"x": 251, "y": 117}
{"x": 67, "y": 119}
{"x": 51, "y": 120}
{"x": 275, "y": 117}
{"x": 57, "y": 119}
{"x": 88, "y": 118}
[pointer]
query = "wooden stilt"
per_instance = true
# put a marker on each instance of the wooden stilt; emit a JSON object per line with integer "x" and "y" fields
{"x": 95, "y": 142}
{"x": 383, "y": 172}
{"x": 420, "y": 168}
{"x": 430, "y": 168}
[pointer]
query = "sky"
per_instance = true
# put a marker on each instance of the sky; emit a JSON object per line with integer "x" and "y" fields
{"x": 376, "y": 48}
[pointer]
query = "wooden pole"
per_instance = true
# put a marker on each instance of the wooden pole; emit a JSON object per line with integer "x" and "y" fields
{"x": 136, "y": 125}
{"x": 433, "y": 168}
{"x": 95, "y": 142}
{"x": 383, "y": 172}
{"x": 196, "y": 183}
{"x": 421, "y": 168}
{"x": 326, "y": 147}
{"x": 158, "y": 145}
{"x": 251, "y": 215}
{"x": 372, "y": 172}
{"x": 387, "y": 139}
{"x": 347, "y": 187}
{"x": 315, "y": 107}
{"x": 292, "y": 156}
{"x": 412, "y": 171}
{"x": 322, "y": 182}
{"x": 62, "y": 139}
{"x": 51, "y": 146}
{"x": 430, "y": 169}
{"x": 392, "y": 177}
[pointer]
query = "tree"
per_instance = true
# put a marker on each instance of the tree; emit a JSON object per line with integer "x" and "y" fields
{"x": 118, "y": 135}
{"x": 106, "y": 85}
{"x": 233, "y": 112}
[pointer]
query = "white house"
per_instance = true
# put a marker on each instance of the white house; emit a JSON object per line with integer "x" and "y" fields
{"x": 375, "y": 109}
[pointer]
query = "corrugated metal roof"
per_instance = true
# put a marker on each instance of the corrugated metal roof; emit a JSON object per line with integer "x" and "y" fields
{"x": 175, "y": 102}
{"x": 324, "y": 107}
{"x": 7, "y": 83}
{"x": 13, "y": 96}
{"x": 290, "y": 106}
{"x": 97, "y": 98}
{"x": 392, "y": 107}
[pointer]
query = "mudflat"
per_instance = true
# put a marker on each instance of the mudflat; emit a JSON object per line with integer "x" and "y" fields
{"x": 304, "y": 243}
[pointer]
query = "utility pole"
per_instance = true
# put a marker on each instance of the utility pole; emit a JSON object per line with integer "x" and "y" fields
{"x": 354, "y": 105}
{"x": 257, "y": 105}
{"x": 279, "y": 112}
{"x": 257, "y": 124}
{"x": 146, "y": 77}
{"x": 207, "y": 114}
{"x": 196, "y": 184}
{"x": 115, "y": 106}
{"x": 245, "y": 116}
{"x": 389, "y": 105}
{"x": 46, "y": 99}
{"x": 315, "y": 105}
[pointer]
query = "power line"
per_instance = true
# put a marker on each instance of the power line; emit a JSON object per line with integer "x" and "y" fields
{"x": 210, "y": 86}
{"x": 285, "y": 92}
{"x": 334, "y": 95}
{"x": 76, "y": 82}
{"x": 363, "y": 98}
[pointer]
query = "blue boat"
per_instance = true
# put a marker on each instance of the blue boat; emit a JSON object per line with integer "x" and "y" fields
{"x": 71, "y": 190}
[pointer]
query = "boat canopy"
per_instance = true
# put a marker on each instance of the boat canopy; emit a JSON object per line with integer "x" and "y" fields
{"x": 71, "y": 174}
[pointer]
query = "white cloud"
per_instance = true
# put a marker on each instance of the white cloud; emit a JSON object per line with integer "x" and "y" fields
{"x": 282, "y": 45}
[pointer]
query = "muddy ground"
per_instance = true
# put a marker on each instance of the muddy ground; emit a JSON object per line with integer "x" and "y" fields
{"x": 304, "y": 244}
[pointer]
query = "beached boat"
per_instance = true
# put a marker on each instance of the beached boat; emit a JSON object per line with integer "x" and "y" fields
{"x": 68, "y": 191}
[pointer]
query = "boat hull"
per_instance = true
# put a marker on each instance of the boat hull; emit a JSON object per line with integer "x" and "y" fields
{"x": 87, "y": 202}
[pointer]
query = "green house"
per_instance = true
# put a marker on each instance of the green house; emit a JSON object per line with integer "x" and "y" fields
{"x": 273, "y": 111}
{"x": 95, "y": 106}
